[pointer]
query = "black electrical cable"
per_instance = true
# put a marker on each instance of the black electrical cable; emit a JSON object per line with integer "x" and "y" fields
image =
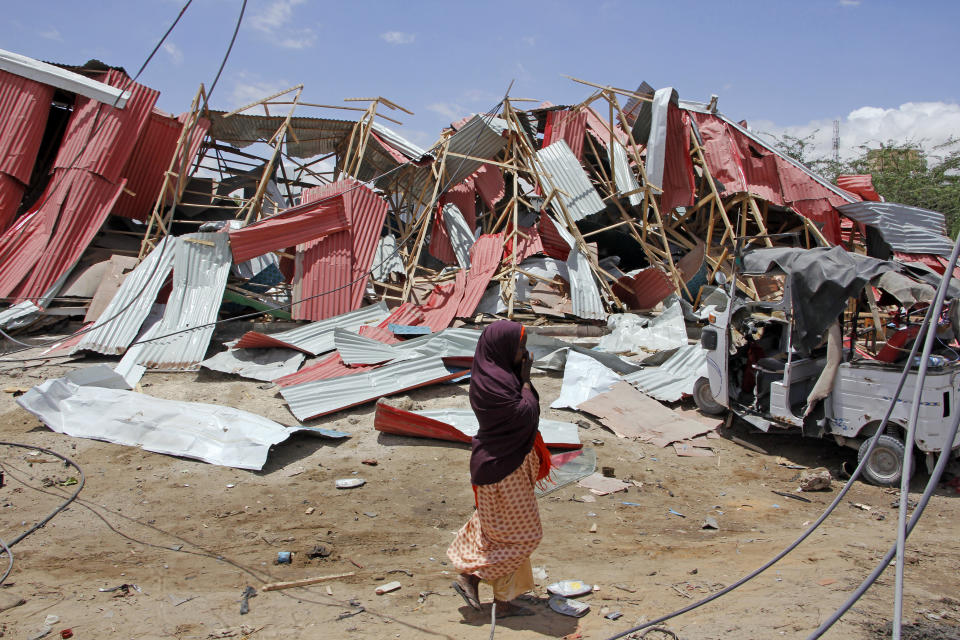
{"x": 489, "y": 115}
{"x": 928, "y": 324}
{"x": 9, "y": 558}
{"x": 81, "y": 481}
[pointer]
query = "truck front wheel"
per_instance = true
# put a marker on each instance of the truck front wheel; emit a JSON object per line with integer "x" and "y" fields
{"x": 703, "y": 396}
{"x": 885, "y": 465}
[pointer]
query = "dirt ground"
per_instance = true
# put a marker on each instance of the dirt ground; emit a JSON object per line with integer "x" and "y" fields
{"x": 191, "y": 536}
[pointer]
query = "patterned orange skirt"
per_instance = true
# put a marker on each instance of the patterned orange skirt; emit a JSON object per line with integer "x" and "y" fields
{"x": 496, "y": 542}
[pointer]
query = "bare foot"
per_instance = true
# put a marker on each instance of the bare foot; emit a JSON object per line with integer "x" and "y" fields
{"x": 466, "y": 585}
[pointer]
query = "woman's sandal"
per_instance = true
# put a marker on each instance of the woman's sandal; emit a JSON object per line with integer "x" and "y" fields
{"x": 471, "y": 602}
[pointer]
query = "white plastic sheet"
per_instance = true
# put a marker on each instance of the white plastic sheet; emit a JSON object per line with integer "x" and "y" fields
{"x": 666, "y": 331}
{"x": 583, "y": 378}
{"x": 212, "y": 433}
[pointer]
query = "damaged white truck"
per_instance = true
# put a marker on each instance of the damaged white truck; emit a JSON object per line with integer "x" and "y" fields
{"x": 785, "y": 365}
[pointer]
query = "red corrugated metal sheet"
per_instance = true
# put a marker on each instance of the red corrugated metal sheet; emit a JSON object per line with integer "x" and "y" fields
{"x": 100, "y": 138}
{"x": 721, "y": 153}
{"x": 365, "y": 211}
{"x": 599, "y": 129}
{"x": 378, "y": 333}
{"x": 294, "y": 226}
{"x": 485, "y": 256}
{"x": 20, "y": 245}
{"x": 390, "y": 419}
{"x": 11, "y": 193}
{"x": 24, "y": 106}
{"x": 441, "y": 307}
{"x": 330, "y": 367}
{"x": 553, "y": 243}
{"x": 759, "y": 168}
{"x": 568, "y": 126}
{"x": 145, "y": 169}
{"x": 257, "y": 340}
{"x": 644, "y": 290}
{"x": 464, "y": 196}
{"x": 678, "y": 184}
{"x": 531, "y": 245}
{"x": 489, "y": 182}
{"x": 440, "y": 246}
{"x": 861, "y": 185}
{"x": 823, "y": 214}
{"x": 407, "y": 314}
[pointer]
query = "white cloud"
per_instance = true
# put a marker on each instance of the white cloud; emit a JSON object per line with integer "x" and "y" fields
{"x": 925, "y": 123}
{"x": 250, "y": 87}
{"x": 398, "y": 37}
{"x": 449, "y": 110}
{"x": 277, "y": 25}
{"x": 850, "y": 3}
{"x": 529, "y": 40}
{"x": 51, "y": 34}
{"x": 172, "y": 50}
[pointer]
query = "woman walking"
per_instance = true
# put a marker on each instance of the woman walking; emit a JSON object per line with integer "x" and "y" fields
{"x": 508, "y": 458}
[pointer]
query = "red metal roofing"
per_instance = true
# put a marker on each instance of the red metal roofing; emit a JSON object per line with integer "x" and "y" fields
{"x": 531, "y": 245}
{"x": 759, "y": 167}
{"x": 823, "y": 214}
{"x": 378, "y": 333}
{"x": 24, "y": 106}
{"x": 11, "y": 193}
{"x": 489, "y": 182}
{"x": 599, "y": 128}
{"x": 100, "y": 138}
{"x": 678, "y": 185}
{"x": 147, "y": 165}
{"x": 331, "y": 366}
{"x": 553, "y": 243}
{"x": 20, "y": 245}
{"x": 323, "y": 270}
{"x": 257, "y": 340}
{"x": 441, "y": 306}
{"x": 294, "y": 226}
{"x": 464, "y": 196}
{"x": 440, "y": 246}
{"x": 485, "y": 256}
{"x": 861, "y": 185}
{"x": 390, "y": 419}
{"x": 77, "y": 219}
{"x": 568, "y": 126}
{"x": 645, "y": 289}
{"x": 407, "y": 314}
{"x": 721, "y": 153}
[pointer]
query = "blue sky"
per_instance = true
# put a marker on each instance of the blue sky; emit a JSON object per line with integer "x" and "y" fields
{"x": 885, "y": 68}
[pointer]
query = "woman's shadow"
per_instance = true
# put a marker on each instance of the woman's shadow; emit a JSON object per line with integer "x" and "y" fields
{"x": 544, "y": 620}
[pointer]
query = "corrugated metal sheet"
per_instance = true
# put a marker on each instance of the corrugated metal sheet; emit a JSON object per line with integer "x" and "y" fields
{"x": 568, "y": 126}
{"x": 312, "y": 399}
{"x": 145, "y": 169}
{"x": 24, "y": 107}
{"x": 481, "y": 137}
{"x": 100, "y": 138}
{"x": 123, "y": 317}
{"x": 443, "y": 302}
{"x": 365, "y": 211}
{"x": 386, "y": 258}
{"x": 201, "y": 265}
{"x": 678, "y": 184}
{"x": 20, "y": 245}
{"x": 861, "y": 185}
{"x": 401, "y": 144}
{"x": 675, "y": 377}
{"x": 644, "y": 290}
{"x": 553, "y": 243}
{"x": 488, "y": 180}
{"x": 317, "y": 337}
{"x": 55, "y": 76}
{"x": 449, "y": 343}
{"x": 406, "y": 314}
{"x": 459, "y": 233}
{"x": 721, "y": 154}
{"x": 584, "y": 293}
{"x": 526, "y": 247}
{"x": 557, "y": 434}
{"x": 355, "y": 349}
{"x": 11, "y": 194}
{"x": 656, "y": 137}
{"x": 623, "y": 175}
{"x": 906, "y": 229}
{"x": 577, "y": 193}
{"x": 291, "y": 227}
{"x": 17, "y": 312}
{"x": 314, "y": 136}
{"x": 256, "y": 364}
{"x": 464, "y": 196}
{"x": 331, "y": 366}
{"x": 599, "y": 128}
{"x": 326, "y": 260}
{"x": 485, "y": 256}
{"x": 378, "y": 333}
{"x": 87, "y": 204}
{"x": 440, "y": 246}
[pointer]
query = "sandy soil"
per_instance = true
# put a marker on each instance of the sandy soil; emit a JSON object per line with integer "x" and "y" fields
{"x": 192, "y": 536}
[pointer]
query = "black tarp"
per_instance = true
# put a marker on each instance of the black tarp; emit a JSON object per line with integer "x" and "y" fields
{"x": 820, "y": 280}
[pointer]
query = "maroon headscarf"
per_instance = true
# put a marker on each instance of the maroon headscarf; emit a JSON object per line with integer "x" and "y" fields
{"x": 507, "y": 412}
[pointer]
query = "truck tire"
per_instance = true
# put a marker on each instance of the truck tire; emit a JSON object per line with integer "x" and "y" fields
{"x": 703, "y": 397}
{"x": 885, "y": 466}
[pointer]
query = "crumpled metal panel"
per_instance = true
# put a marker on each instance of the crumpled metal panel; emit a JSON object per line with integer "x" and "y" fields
{"x": 24, "y": 107}
{"x": 314, "y": 136}
{"x": 906, "y": 229}
{"x": 289, "y": 228}
{"x": 401, "y": 144}
{"x": 675, "y": 377}
{"x": 121, "y": 320}
{"x": 569, "y": 126}
{"x": 485, "y": 256}
{"x": 441, "y": 306}
{"x": 317, "y": 337}
{"x": 449, "y": 343}
{"x": 201, "y": 265}
{"x": 11, "y": 195}
{"x": 386, "y": 259}
{"x": 331, "y": 366}
{"x": 256, "y": 364}
{"x": 213, "y": 433}
{"x": 19, "y": 311}
{"x": 460, "y": 234}
{"x": 406, "y": 314}
{"x": 555, "y": 432}
{"x": 147, "y": 166}
{"x": 576, "y": 192}
{"x": 355, "y": 349}
{"x": 313, "y": 399}
{"x": 54, "y": 76}
{"x": 481, "y": 137}
{"x": 623, "y": 175}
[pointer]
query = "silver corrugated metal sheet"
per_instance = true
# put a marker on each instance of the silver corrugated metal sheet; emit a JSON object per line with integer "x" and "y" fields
{"x": 62, "y": 79}
{"x": 481, "y": 137}
{"x": 623, "y": 175}
{"x": 566, "y": 174}
{"x": 400, "y": 143}
{"x": 200, "y": 268}
{"x": 19, "y": 311}
{"x": 314, "y": 136}
{"x": 465, "y": 420}
{"x": 449, "y": 343}
{"x": 675, "y": 377}
{"x": 904, "y": 228}
{"x": 312, "y": 399}
{"x": 386, "y": 259}
{"x": 356, "y": 349}
{"x": 584, "y": 293}
{"x": 657, "y": 139}
{"x": 256, "y": 364}
{"x": 121, "y": 320}
{"x": 461, "y": 236}
{"x": 317, "y": 337}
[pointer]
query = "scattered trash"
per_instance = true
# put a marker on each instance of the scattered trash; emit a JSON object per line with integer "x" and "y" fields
{"x": 369, "y": 462}
{"x": 567, "y": 607}
{"x": 276, "y": 586}
{"x": 248, "y": 593}
{"x": 309, "y": 511}
{"x": 422, "y": 596}
{"x": 350, "y": 614}
{"x": 318, "y": 551}
{"x": 593, "y": 528}
{"x": 350, "y": 483}
{"x": 749, "y": 445}
{"x": 614, "y": 615}
{"x": 66, "y": 633}
{"x": 826, "y": 582}
{"x": 569, "y": 588}
{"x": 632, "y": 504}
{"x": 387, "y": 588}
{"x": 601, "y": 485}
{"x": 539, "y": 574}
{"x": 815, "y": 479}
{"x": 608, "y": 472}
{"x": 709, "y": 522}
{"x": 284, "y": 557}
{"x": 790, "y": 495}
{"x": 861, "y": 506}
{"x": 677, "y": 513}
{"x": 122, "y": 589}
{"x": 370, "y": 514}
